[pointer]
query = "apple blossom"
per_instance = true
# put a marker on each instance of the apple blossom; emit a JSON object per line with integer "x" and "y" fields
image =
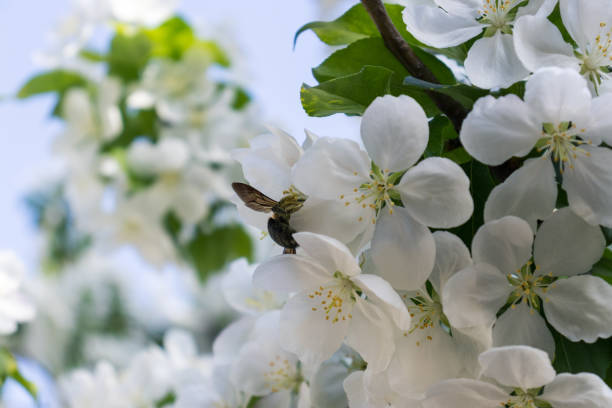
{"x": 14, "y": 306}
{"x": 554, "y": 282}
{"x": 526, "y": 380}
{"x": 491, "y": 61}
{"x": 333, "y": 301}
{"x": 559, "y": 118}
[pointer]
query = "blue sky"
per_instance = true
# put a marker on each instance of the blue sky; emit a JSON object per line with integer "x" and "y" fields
{"x": 264, "y": 32}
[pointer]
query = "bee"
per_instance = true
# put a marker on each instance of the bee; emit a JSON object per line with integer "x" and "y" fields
{"x": 278, "y": 225}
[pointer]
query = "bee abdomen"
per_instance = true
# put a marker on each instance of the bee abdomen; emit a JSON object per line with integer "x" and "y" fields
{"x": 281, "y": 233}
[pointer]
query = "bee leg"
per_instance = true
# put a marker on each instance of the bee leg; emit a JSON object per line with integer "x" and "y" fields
{"x": 289, "y": 251}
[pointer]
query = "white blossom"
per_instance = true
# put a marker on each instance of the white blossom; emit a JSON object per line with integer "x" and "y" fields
{"x": 15, "y": 307}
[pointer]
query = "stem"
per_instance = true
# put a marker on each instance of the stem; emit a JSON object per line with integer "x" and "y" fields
{"x": 404, "y": 53}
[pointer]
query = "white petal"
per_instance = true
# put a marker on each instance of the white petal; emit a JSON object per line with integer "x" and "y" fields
{"x": 307, "y": 333}
{"x": 497, "y": 129}
{"x": 290, "y": 273}
{"x": 330, "y": 253}
{"x": 231, "y": 339}
{"x": 437, "y": 28}
{"x": 538, "y": 7}
{"x": 582, "y": 18}
{"x": 584, "y": 390}
{"x": 451, "y": 256}
{"x": 529, "y": 193}
{"x": 436, "y": 192}
{"x": 579, "y": 308}
{"x": 517, "y": 366}
{"x": 331, "y": 167}
{"x": 556, "y": 95}
{"x": 523, "y": 325}
{"x": 370, "y": 333}
{"x": 539, "y": 43}
{"x": 474, "y": 295}
{"x": 493, "y": 63}
{"x": 504, "y": 243}
{"x": 356, "y": 391}
{"x": 380, "y": 292}
{"x": 423, "y": 358}
{"x": 395, "y": 131}
{"x": 403, "y": 250}
{"x": 566, "y": 245}
{"x": 589, "y": 186}
{"x": 332, "y": 218}
{"x": 464, "y": 393}
{"x": 601, "y": 127}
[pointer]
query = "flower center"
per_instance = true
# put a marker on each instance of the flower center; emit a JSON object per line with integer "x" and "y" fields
{"x": 595, "y": 58}
{"x": 497, "y": 15}
{"x": 426, "y": 313}
{"x": 336, "y": 299}
{"x": 562, "y": 143}
{"x": 281, "y": 375}
{"x": 374, "y": 194}
{"x": 526, "y": 399}
{"x": 528, "y": 286}
{"x": 262, "y": 301}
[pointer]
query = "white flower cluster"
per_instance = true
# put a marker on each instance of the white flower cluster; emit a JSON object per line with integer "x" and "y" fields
{"x": 15, "y": 307}
{"x": 438, "y": 325}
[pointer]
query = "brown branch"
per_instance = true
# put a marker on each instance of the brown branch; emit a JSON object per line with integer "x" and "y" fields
{"x": 404, "y": 53}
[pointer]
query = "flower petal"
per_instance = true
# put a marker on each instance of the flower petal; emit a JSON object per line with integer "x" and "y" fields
{"x": 290, "y": 273}
{"x": 517, "y": 366}
{"x": 451, "y": 256}
{"x": 330, "y": 253}
{"x": 403, "y": 250}
{"x": 529, "y": 193}
{"x": 229, "y": 342}
{"x": 579, "y": 308}
{"x": 493, "y": 63}
{"x": 504, "y": 243}
{"x": 436, "y": 192}
{"x": 601, "y": 127}
{"x": 340, "y": 163}
{"x": 307, "y": 332}
{"x": 522, "y": 325}
{"x": 435, "y": 27}
{"x": 474, "y": 295}
{"x": 555, "y": 95}
{"x": 395, "y": 131}
{"x": 582, "y": 19}
{"x": 356, "y": 391}
{"x": 464, "y": 393}
{"x": 370, "y": 333}
{"x": 539, "y": 43}
{"x": 381, "y": 293}
{"x": 566, "y": 245}
{"x": 584, "y": 390}
{"x": 497, "y": 129}
{"x": 589, "y": 186}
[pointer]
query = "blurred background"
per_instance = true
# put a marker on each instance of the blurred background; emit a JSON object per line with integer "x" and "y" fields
{"x": 109, "y": 288}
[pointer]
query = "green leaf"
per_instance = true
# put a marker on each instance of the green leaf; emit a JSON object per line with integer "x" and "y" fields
{"x": 354, "y": 25}
{"x": 441, "y": 130}
{"x": 53, "y": 81}
{"x": 578, "y": 357}
{"x": 458, "y": 155}
{"x": 211, "y": 250}
{"x": 350, "y": 94}
{"x": 481, "y": 184}
{"x": 129, "y": 54}
{"x": 603, "y": 268}
{"x": 92, "y": 56}
{"x": 171, "y": 39}
{"x": 464, "y": 94}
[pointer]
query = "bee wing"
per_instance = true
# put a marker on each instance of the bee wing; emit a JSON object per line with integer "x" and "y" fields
{"x": 253, "y": 198}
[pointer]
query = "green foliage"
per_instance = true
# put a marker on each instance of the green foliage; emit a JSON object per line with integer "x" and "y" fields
{"x": 350, "y": 94}
{"x": 466, "y": 95}
{"x": 128, "y": 55}
{"x": 9, "y": 369}
{"x": 355, "y": 25}
{"x": 444, "y": 141}
{"x": 578, "y": 357}
{"x": 603, "y": 268}
{"x": 555, "y": 18}
{"x": 53, "y": 81}
{"x": 481, "y": 184}
{"x": 212, "y": 246}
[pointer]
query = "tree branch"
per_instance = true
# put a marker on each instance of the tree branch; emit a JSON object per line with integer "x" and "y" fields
{"x": 404, "y": 53}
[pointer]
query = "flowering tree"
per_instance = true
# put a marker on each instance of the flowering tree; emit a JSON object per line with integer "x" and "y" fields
{"x": 455, "y": 257}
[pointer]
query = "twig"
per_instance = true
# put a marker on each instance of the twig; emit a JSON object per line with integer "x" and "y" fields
{"x": 404, "y": 53}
